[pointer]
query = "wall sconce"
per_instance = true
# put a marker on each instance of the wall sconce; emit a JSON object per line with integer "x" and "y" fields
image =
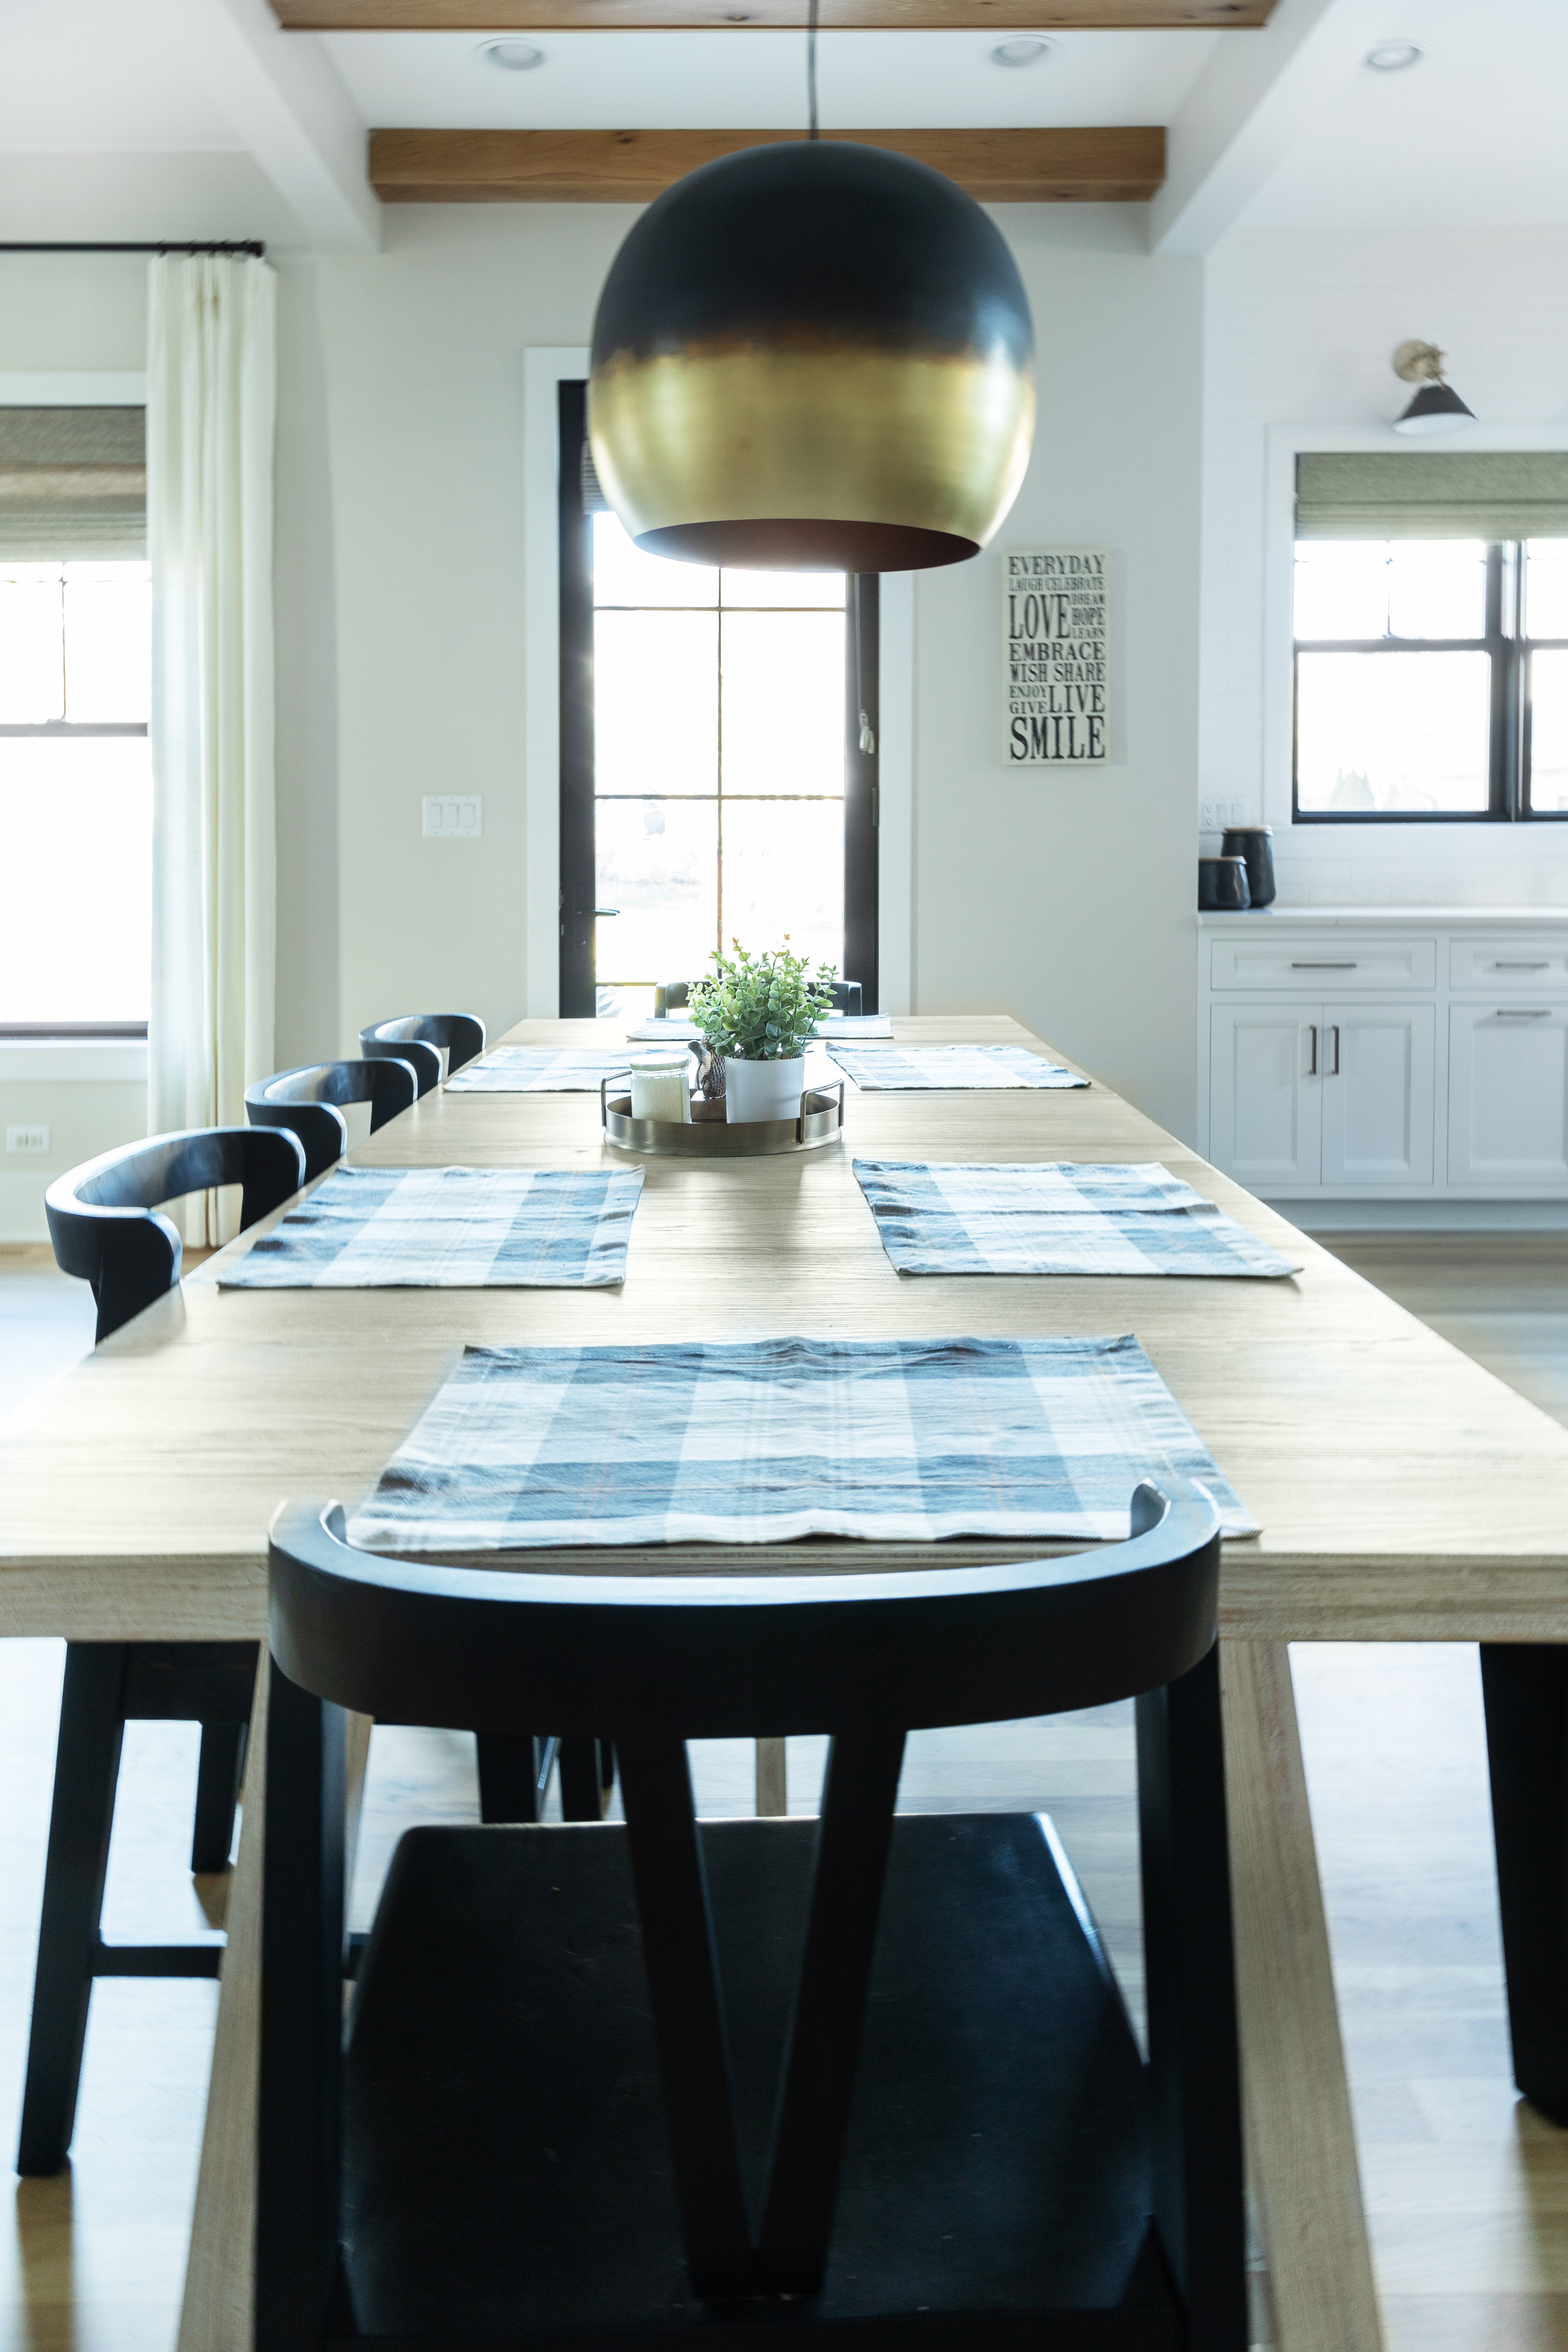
{"x": 1437, "y": 406}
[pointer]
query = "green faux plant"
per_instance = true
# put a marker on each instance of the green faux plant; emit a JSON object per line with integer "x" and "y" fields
{"x": 760, "y": 1008}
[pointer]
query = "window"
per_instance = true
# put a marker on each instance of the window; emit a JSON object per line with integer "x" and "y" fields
{"x": 714, "y": 782}
{"x": 76, "y": 792}
{"x": 1431, "y": 660}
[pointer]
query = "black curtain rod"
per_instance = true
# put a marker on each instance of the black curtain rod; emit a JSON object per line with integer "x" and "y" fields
{"x": 222, "y": 245}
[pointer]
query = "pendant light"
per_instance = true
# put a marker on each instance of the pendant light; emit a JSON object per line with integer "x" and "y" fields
{"x": 812, "y": 355}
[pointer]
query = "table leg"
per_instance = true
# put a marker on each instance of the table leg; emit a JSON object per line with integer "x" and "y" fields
{"x": 216, "y": 2315}
{"x": 219, "y": 2273}
{"x": 1302, "y": 2154}
{"x": 773, "y": 1790}
{"x": 1524, "y": 1687}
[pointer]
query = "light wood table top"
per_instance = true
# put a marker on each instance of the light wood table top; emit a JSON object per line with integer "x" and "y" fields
{"x": 1404, "y": 1493}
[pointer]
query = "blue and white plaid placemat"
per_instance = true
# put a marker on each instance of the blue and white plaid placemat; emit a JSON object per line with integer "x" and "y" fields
{"x": 942, "y": 1217}
{"x": 884, "y": 1068}
{"x": 901, "y": 1441}
{"x": 448, "y": 1229}
{"x": 538, "y": 1070}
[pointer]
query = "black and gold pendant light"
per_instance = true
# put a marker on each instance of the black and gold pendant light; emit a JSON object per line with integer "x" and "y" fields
{"x": 812, "y": 355}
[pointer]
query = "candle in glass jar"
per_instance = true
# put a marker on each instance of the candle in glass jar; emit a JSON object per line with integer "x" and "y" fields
{"x": 659, "y": 1087}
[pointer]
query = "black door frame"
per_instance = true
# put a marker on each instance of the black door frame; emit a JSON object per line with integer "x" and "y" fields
{"x": 578, "y": 874}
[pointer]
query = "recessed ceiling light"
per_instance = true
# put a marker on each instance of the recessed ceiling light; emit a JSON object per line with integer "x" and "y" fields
{"x": 1028, "y": 51}
{"x": 511, "y": 57}
{"x": 1393, "y": 57}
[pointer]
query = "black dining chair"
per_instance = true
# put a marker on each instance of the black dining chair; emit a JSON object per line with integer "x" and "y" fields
{"x": 662, "y": 2081}
{"x": 308, "y": 1101}
{"x": 513, "y": 1775}
{"x": 416, "y": 1037}
{"x": 104, "y": 1226}
{"x": 673, "y": 994}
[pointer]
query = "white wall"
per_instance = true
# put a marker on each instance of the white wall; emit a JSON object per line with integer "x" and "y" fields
{"x": 1302, "y": 324}
{"x": 1065, "y": 900}
{"x": 1069, "y": 899}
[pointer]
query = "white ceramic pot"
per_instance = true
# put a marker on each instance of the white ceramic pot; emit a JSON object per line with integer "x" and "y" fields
{"x": 755, "y": 1090}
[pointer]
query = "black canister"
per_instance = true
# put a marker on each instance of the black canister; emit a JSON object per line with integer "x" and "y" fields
{"x": 1222, "y": 884}
{"x": 1255, "y": 843}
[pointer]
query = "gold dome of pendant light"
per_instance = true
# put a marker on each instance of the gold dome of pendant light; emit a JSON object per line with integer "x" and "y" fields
{"x": 812, "y": 355}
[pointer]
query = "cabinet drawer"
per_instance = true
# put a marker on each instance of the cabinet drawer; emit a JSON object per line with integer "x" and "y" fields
{"x": 1309, "y": 966}
{"x": 1502, "y": 966}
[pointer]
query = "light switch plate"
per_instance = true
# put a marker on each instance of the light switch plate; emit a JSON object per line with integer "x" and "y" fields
{"x": 26, "y": 1138}
{"x": 1214, "y": 815}
{"x": 454, "y": 817}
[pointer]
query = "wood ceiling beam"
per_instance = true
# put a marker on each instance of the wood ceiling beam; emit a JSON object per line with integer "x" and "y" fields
{"x": 789, "y": 15}
{"x": 632, "y": 167}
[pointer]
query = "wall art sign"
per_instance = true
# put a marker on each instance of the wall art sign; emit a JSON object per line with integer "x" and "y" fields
{"x": 1054, "y": 613}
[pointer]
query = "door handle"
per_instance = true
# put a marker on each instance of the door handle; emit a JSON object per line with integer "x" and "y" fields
{"x": 1313, "y": 1034}
{"x": 607, "y": 910}
{"x": 1334, "y": 1069}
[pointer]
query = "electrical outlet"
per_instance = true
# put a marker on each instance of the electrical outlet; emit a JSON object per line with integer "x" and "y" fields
{"x": 26, "y": 1138}
{"x": 454, "y": 817}
{"x": 1214, "y": 815}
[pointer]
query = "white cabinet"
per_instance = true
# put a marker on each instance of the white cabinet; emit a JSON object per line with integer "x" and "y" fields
{"x": 1337, "y": 1094}
{"x": 1362, "y": 1052}
{"x": 1308, "y": 966}
{"x": 1379, "y": 1069}
{"x": 1508, "y": 1095}
{"x": 1266, "y": 1109}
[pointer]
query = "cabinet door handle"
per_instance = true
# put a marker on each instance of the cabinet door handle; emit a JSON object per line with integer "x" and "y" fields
{"x": 1514, "y": 1012}
{"x": 1322, "y": 967}
{"x": 1313, "y": 1034}
{"x": 1334, "y": 1069}
{"x": 1544, "y": 965}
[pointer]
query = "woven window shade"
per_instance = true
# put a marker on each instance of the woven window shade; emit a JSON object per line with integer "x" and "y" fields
{"x": 593, "y": 499}
{"x": 1474, "y": 494}
{"x": 73, "y": 485}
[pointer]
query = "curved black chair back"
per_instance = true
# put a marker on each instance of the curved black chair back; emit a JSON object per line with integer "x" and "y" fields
{"x": 708, "y": 1657}
{"x": 103, "y": 1215}
{"x": 848, "y": 997}
{"x": 651, "y": 1661}
{"x": 306, "y": 1100}
{"x": 415, "y": 1036}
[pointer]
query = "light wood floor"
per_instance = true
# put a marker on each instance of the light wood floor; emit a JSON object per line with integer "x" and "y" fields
{"x": 1468, "y": 2190}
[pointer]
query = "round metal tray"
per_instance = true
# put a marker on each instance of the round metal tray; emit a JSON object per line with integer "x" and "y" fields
{"x": 710, "y": 1135}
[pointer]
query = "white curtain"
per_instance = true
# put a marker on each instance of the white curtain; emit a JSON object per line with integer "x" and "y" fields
{"x": 211, "y": 408}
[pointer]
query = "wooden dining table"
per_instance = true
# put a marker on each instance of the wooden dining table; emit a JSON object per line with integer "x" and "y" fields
{"x": 1403, "y": 1493}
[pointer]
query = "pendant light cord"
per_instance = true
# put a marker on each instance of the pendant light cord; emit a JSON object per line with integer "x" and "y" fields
{"x": 811, "y": 69}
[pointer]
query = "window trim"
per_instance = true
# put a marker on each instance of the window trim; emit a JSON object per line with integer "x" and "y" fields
{"x": 544, "y": 369}
{"x": 85, "y": 391}
{"x": 1284, "y": 443}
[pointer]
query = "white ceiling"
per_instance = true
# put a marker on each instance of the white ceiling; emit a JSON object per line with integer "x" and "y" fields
{"x": 78, "y": 76}
{"x": 756, "y": 80}
{"x": 175, "y": 108}
{"x": 1474, "y": 136}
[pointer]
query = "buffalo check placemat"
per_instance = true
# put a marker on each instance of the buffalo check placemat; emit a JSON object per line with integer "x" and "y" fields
{"x": 901, "y": 1440}
{"x": 903, "y": 1067}
{"x": 942, "y": 1217}
{"x": 448, "y": 1229}
{"x": 538, "y": 1070}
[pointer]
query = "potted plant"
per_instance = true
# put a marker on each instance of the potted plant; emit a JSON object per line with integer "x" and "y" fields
{"x": 759, "y": 1013}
